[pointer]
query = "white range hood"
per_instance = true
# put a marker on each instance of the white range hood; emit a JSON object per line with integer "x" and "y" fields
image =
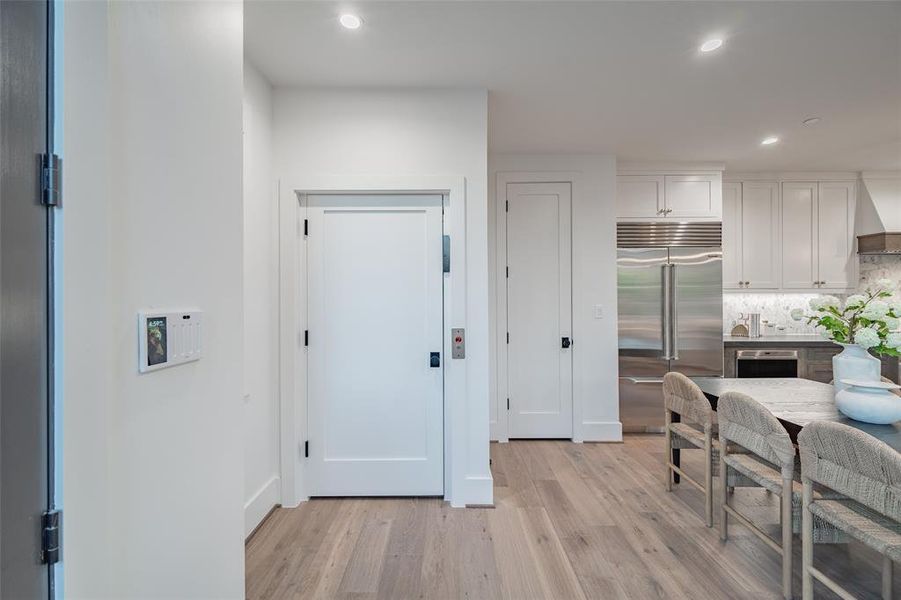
{"x": 879, "y": 215}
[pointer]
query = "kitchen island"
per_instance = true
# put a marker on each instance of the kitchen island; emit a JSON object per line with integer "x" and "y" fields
{"x": 814, "y": 354}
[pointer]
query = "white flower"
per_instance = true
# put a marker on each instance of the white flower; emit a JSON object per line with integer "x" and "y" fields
{"x": 895, "y": 306}
{"x": 875, "y": 310}
{"x": 892, "y": 323}
{"x": 886, "y": 284}
{"x": 821, "y": 303}
{"x": 855, "y": 301}
{"x": 893, "y": 340}
{"x": 866, "y": 338}
{"x": 797, "y": 314}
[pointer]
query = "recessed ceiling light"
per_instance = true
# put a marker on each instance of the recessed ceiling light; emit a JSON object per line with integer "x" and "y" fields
{"x": 769, "y": 141}
{"x": 349, "y": 21}
{"x": 711, "y": 45}
{"x": 810, "y": 121}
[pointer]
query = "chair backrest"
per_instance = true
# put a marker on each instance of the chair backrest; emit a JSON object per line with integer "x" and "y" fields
{"x": 749, "y": 424}
{"x": 852, "y": 463}
{"x": 682, "y": 396}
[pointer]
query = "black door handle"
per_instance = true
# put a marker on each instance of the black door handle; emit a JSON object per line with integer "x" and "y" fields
{"x": 434, "y": 359}
{"x": 567, "y": 342}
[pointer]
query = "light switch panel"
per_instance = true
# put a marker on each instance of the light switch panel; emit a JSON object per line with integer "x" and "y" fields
{"x": 169, "y": 338}
{"x": 598, "y": 311}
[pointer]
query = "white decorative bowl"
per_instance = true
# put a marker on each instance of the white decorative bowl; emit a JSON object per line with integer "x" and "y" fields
{"x": 869, "y": 401}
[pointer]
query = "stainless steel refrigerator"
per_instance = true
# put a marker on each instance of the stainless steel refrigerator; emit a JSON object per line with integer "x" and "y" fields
{"x": 670, "y": 288}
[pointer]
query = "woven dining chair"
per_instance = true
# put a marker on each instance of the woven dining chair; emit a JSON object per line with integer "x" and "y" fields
{"x": 695, "y": 430}
{"x": 867, "y": 473}
{"x": 770, "y": 462}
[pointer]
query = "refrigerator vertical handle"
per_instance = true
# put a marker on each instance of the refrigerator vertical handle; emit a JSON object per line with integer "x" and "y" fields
{"x": 674, "y": 314}
{"x": 666, "y": 292}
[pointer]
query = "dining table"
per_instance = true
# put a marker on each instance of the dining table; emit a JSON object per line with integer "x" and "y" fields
{"x": 795, "y": 402}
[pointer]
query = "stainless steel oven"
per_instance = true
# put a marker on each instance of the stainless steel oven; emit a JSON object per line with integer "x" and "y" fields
{"x": 766, "y": 363}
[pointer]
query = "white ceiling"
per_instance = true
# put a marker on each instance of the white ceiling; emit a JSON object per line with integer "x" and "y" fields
{"x": 622, "y": 77}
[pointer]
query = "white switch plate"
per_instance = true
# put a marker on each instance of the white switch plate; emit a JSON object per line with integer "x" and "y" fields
{"x": 598, "y": 311}
{"x": 169, "y": 338}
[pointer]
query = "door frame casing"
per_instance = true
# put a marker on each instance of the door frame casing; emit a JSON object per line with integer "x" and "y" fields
{"x": 504, "y": 178}
{"x": 293, "y": 424}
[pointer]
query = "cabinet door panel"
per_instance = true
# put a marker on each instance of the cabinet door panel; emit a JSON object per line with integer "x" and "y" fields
{"x": 691, "y": 196}
{"x": 732, "y": 276}
{"x": 799, "y": 204}
{"x": 835, "y": 234}
{"x": 760, "y": 235}
{"x": 639, "y": 196}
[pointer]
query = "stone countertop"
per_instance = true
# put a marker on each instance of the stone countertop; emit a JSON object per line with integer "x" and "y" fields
{"x": 797, "y": 340}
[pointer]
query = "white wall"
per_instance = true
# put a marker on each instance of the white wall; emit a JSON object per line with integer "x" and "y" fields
{"x": 261, "y": 441}
{"x": 595, "y": 351}
{"x": 407, "y": 132}
{"x": 153, "y": 218}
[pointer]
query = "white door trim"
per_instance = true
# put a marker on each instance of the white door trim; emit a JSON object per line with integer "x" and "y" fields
{"x": 293, "y": 311}
{"x": 501, "y": 430}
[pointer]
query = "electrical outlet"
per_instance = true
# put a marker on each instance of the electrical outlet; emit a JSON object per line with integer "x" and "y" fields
{"x": 598, "y": 311}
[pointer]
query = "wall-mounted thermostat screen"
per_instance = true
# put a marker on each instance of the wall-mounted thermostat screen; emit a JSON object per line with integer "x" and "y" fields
{"x": 156, "y": 341}
{"x": 169, "y": 338}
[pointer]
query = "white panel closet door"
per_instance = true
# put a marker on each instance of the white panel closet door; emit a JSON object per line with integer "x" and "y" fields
{"x": 375, "y": 405}
{"x": 539, "y": 310}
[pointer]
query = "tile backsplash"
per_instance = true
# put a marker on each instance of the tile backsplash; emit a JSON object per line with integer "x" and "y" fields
{"x": 774, "y": 308}
{"x": 887, "y": 266}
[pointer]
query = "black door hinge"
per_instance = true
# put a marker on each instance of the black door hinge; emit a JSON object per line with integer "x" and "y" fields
{"x": 306, "y": 337}
{"x": 508, "y": 404}
{"x": 508, "y": 272}
{"x": 50, "y": 537}
{"x": 306, "y": 449}
{"x": 508, "y": 337}
{"x": 51, "y": 180}
{"x": 506, "y": 206}
{"x": 306, "y": 227}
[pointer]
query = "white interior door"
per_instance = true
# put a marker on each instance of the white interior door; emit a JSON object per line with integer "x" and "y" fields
{"x": 375, "y": 402}
{"x": 539, "y": 310}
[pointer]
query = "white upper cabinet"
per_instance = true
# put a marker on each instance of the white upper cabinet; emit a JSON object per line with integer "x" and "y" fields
{"x": 732, "y": 275}
{"x": 792, "y": 236}
{"x": 760, "y": 235}
{"x": 799, "y": 207}
{"x": 692, "y": 196}
{"x": 835, "y": 235}
{"x": 662, "y": 197}
{"x": 639, "y": 196}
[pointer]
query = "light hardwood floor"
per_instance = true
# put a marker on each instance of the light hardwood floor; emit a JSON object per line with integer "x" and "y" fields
{"x": 571, "y": 521}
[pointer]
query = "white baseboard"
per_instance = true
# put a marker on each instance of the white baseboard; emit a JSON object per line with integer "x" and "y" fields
{"x": 256, "y": 509}
{"x": 479, "y": 491}
{"x": 601, "y": 431}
